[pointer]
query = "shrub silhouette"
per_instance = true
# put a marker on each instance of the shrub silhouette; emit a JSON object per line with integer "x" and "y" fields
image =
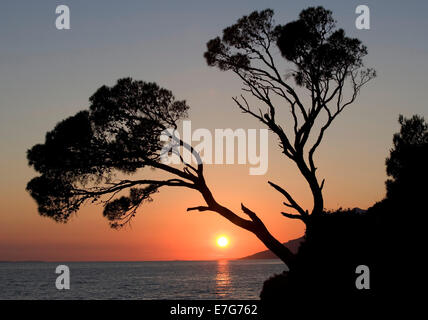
{"x": 384, "y": 237}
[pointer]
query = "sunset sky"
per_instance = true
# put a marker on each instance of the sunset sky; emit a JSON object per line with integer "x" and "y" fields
{"x": 47, "y": 75}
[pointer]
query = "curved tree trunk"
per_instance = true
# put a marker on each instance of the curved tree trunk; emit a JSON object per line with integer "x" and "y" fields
{"x": 316, "y": 189}
{"x": 281, "y": 251}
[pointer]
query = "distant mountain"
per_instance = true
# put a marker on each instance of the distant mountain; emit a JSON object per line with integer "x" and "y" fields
{"x": 293, "y": 245}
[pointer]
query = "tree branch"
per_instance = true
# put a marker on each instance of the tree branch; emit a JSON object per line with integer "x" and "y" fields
{"x": 292, "y": 216}
{"x": 251, "y": 214}
{"x": 293, "y": 203}
{"x": 199, "y": 208}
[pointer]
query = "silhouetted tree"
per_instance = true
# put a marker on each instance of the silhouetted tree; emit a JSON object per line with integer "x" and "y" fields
{"x": 326, "y": 66}
{"x": 407, "y": 162}
{"x": 85, "y": 157}
{"x": 402, "y": 212}
{"x": 388, "y": 237}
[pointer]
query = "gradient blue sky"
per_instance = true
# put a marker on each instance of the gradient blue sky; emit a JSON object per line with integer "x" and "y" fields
{"x": 47, "y": 75}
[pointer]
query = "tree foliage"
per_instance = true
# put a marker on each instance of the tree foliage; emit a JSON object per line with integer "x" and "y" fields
{"x": 118, "y": 134}
{"x": 388, "y": 237}
{"x": 407, "y": 162}
{"x": 85, "y": 157}
{"x": 324, "y": 62}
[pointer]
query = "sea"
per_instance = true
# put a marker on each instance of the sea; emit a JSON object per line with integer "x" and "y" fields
{"x": 223, "y": 279}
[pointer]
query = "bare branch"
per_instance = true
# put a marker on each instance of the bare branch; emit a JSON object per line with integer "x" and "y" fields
{"x": 125, "y": 184}
{"x": 322, "y": 184}
{"x": 292, "y": 216}
{"x": 251, "y": 214}
{"x": 293, "y": 203}
{"x": 199, "y": 208}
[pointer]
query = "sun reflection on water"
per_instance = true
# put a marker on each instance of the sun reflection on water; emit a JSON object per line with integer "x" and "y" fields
{"x": 223, "y": 279}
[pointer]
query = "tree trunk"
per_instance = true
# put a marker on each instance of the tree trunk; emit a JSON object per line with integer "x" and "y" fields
{"x": 281, "y": 251}
{"x": 316, "y": 190}
{"x": 317, "y": 196}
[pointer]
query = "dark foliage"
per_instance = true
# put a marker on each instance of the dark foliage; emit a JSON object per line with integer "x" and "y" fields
{"x": 386, "y": 238}
{"x": 321, "y": 59}
{"x": 319, "y": 51}
{"x": 335, "y": 244}
{"x": 235, "y": 49}
{"x": 407, "y": 163}
{"x": 93, "y": 156}
{"x": 81, "y": 158}
{"x": 118, "y": 134}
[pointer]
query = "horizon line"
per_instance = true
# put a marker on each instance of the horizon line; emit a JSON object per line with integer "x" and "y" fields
{"x": 171, "y": 260}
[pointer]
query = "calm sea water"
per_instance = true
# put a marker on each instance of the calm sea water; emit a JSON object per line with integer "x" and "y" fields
{"x": 241, "y": 279}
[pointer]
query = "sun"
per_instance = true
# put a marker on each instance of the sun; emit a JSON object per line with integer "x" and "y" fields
{"x": 222, "y": 241}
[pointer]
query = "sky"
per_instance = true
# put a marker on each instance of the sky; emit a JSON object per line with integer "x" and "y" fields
{"x": 47, "y": 75}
